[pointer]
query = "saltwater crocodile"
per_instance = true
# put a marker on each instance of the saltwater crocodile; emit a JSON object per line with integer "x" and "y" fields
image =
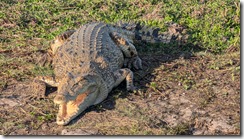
{"x": 90, "y": 61}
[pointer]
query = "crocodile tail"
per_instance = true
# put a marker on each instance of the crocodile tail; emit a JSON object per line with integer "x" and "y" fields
{"x": 175, "y": 33}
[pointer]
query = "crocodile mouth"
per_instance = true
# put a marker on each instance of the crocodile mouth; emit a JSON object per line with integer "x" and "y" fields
{"x": 69, "y": 110}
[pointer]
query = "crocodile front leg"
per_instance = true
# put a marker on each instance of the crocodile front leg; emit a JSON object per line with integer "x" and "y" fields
{"x": 122, "y": 74}
{"x": 40, "y": 83}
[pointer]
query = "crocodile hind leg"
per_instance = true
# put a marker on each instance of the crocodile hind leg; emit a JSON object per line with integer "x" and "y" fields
{"x": 60, "y": 40}
{"x": 40, "y": 83}
{"x": 128, "y": 49}
{"x": 122, "y": 74}
{"x": 134, "y": 61}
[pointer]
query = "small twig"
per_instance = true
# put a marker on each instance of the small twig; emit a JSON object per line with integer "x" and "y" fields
{"x": 23, "y": 110}
{"x": 143, "y": 76}
{"x": 6, "y": 51}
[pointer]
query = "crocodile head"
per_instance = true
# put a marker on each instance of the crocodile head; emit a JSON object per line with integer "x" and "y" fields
{"x": 75, "y": 94}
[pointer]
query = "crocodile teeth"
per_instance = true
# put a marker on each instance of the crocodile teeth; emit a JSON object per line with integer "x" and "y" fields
{"x": 62, "y": 114}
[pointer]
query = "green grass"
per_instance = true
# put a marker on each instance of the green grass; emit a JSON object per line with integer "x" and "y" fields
{"x": 213, "y": 25}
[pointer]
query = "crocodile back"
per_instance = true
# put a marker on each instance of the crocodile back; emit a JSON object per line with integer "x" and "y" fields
{"x": 90, "y": 48}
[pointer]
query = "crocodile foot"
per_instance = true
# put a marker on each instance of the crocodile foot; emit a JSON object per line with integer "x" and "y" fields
{"x": 134, "y": 62}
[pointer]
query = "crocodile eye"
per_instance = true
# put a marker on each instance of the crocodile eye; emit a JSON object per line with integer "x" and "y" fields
{"x": 74, "y": 89}
{"x": 79, "y": 87}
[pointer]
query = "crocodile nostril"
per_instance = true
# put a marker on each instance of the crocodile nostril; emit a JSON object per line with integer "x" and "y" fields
{"x": 59, "y": 99}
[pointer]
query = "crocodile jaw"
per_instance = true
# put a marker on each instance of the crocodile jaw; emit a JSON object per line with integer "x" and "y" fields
{"x": 71, "y": 109}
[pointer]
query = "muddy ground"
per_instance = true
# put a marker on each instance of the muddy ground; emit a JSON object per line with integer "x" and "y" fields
{"x": 183, "y": 93}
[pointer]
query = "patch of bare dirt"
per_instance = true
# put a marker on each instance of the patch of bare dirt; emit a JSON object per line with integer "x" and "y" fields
{"x": 180, "y": 94}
